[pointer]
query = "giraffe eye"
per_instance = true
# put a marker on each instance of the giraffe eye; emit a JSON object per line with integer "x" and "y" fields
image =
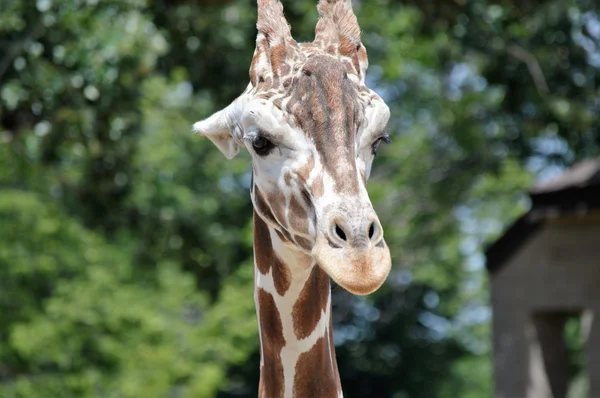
{"x": 262, "y": 146}
{"x": 385, "y": 138}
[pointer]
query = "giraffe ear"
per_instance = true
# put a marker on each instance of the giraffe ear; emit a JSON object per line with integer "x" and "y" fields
{"x": 274, "y": 44}
{"x": 223, "y": 129}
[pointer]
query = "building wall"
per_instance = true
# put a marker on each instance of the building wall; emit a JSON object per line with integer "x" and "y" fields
{"x": 557, "y": 270}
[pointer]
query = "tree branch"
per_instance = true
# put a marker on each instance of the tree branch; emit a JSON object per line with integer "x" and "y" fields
{"x": 533, "y": 67}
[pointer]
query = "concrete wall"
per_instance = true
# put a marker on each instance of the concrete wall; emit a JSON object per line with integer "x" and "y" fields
{"x": 556, "y": 271}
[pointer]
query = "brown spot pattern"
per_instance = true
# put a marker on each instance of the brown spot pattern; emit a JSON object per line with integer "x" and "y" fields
{"x": 266, "y": 258}
{"x": 262, "y": 207}
{"x": 282, "y": 276}
{"x": 281, "y": 236}
{"x": 277, "y": 57}
{"x": 271, "y": 329}
{"x": 317, "y": 187}
{"x": 262, "y": 245}
{"x": 349, "y": 66}
{"x": 303, "y": 243}
{"x": 311, "y": 302}
{"x": 304, "y": 171}
{"x": 277, "y": 201}
{"x": 314, "y": 376}
{"x": 297, "y": 216}
{"x": 286, "y": 235}
{"x": 347, "y": 48}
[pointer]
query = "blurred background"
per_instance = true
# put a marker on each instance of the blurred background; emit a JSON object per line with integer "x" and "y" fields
{"x": 125, "y": 242}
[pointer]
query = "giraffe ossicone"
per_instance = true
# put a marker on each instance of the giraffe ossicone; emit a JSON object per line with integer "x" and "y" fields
{"x": 312, "y": 127}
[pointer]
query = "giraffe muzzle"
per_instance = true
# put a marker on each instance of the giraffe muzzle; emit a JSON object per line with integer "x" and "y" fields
{"x": 352, "y": 251}
{"x": 355, "y": 233}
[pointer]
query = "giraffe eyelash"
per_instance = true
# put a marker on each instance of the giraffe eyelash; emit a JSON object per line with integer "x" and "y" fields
{"x": 261, "y": 145}
{"x": 250, "y": 137}
{"x": 384, "y": 138}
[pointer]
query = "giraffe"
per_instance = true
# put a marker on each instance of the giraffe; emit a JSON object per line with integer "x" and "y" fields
{"x": 312, "y": 128}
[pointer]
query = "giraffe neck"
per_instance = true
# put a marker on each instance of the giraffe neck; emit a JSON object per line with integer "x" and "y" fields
{"x": 293, "y": 305}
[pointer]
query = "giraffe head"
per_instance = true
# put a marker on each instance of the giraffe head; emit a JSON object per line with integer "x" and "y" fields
{"x": 312, "y": 128}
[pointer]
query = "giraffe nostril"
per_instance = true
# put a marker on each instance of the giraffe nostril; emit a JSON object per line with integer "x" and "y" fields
{"x": 340, "y": 232}
{"x": 372, "y": 230}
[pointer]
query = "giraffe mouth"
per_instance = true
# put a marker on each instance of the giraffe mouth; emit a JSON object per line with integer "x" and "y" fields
{"x": 360, "y": 270}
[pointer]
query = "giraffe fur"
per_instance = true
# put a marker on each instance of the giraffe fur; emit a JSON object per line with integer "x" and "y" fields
{"x": 312, "y": 127}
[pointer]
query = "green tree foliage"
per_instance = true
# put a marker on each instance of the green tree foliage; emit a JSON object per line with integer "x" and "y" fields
{"x": 80, "y": 320}
{"x": 125, "y": 242}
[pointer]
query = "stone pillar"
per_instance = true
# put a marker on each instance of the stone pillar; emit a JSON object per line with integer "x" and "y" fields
{"x": 549, "y": 356}
{"x": 511, "y": 355}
